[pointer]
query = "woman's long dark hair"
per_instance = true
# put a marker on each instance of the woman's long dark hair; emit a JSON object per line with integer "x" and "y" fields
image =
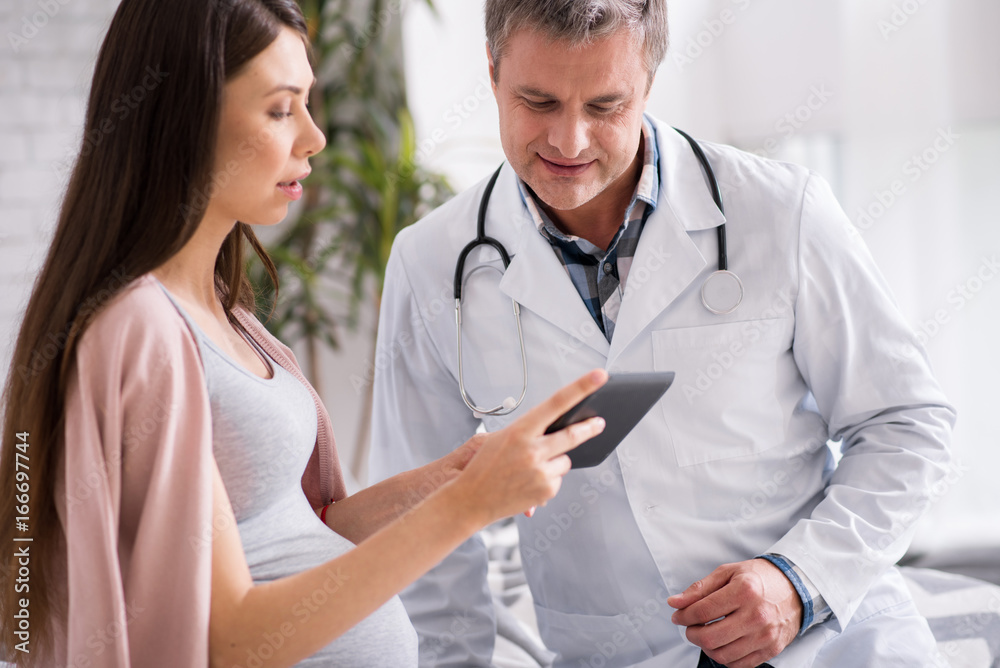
{"x": 136, "y": 195}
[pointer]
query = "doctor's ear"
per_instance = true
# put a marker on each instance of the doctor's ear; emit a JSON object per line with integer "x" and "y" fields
{"x": 649, "y": 87}
{"x": 489, "y": 58}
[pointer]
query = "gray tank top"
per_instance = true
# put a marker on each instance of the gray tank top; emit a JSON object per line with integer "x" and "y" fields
{"x": 263, "y": 433}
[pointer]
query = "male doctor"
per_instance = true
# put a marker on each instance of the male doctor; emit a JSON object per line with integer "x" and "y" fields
{"x": 728, "y": 483}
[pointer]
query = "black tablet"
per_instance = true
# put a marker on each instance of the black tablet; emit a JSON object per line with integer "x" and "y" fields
{"x": 622, "y": 401}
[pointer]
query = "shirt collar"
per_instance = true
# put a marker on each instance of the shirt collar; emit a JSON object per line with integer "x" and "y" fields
{"x": 647, "y": 189}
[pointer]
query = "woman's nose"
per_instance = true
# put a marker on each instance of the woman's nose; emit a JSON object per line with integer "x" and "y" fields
{"x": 313, "y": 140}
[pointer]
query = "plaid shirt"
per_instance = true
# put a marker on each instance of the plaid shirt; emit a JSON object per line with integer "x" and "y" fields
{"x": 599, "y": 275}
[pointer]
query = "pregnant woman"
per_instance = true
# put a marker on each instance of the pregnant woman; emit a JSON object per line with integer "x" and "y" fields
{"x": 174, "y": 471}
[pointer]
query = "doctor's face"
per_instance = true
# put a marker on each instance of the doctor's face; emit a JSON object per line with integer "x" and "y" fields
{"x": 571, "y": 116}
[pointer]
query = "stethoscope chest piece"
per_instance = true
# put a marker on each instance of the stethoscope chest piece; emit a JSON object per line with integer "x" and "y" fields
{"x": 722, "y": 292}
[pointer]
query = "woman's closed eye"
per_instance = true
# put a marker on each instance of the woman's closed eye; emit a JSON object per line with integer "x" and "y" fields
{"x": 280, "y": 114}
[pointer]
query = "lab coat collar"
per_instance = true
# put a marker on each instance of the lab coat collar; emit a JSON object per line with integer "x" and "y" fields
{"x": 683, "y": 183}
{"x": 666, "y": 260}
{"x": 536, "y": 279}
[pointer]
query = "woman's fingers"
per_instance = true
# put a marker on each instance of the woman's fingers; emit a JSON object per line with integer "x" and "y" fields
{"x": 541, "y": 416}
{"x": 522, "y": 465}
{"x": 557, "y": 467}
{"x": 566, "y": 439}
{"x": 557, "y": 444}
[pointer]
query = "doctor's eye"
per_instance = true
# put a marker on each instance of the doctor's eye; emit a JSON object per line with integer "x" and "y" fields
{"x": 539, "y": 106}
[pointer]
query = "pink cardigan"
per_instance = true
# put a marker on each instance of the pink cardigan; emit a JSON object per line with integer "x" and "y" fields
{"x": 135, "y": 486}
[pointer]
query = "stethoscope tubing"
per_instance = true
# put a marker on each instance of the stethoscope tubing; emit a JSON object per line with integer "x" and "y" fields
{"x": 508, "y": 406}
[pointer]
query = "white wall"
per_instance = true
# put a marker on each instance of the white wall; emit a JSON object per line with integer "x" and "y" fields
{"x": 44, "y": 75}
{"x": 736, "y": 70}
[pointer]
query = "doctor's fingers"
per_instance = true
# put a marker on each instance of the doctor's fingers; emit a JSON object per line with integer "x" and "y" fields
{"x": 537, "y": 420}
{"x": 710, "y": 583}
{"x": 747, "y": 649}
{"x": 712, "y": 607}
{"x": 741, "y": 653}
{"x": 727, "y": 634}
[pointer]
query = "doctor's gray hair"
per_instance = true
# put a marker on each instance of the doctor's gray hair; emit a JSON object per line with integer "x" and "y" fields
{"x": 580, "y": 22}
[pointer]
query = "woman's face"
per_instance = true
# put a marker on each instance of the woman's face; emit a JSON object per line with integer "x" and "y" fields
{"x": 266, "y": 135}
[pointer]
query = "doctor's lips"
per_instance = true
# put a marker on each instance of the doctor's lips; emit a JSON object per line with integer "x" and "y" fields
{"x": 293, "y": 188}
{"x": 565, "y": 167}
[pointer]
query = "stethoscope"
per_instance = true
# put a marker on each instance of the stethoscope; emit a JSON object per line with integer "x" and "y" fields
{"x": 721, "y": 293}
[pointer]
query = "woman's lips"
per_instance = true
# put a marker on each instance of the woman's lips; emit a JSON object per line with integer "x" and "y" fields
{"x": 293, "y": 189}
{"x": 566, "y": 169}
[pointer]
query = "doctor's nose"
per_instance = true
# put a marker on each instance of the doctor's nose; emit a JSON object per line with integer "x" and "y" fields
{"x": 570, "y": 134}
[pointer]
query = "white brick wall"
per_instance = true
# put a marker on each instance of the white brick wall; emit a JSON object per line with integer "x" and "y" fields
{"x": 47, "y": 53}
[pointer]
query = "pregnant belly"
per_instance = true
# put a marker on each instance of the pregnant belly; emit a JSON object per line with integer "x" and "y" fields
{"x": 289, "y": 538}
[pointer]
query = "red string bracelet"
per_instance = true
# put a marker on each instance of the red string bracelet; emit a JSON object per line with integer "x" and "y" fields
{"x": 322, "y": 513}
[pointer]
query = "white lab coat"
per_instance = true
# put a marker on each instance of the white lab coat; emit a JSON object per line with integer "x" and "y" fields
{"x": 732, "y": 463}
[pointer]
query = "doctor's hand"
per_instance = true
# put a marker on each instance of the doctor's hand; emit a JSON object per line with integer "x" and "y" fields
{"x": 761, "y": 609}
{"x": 455, "y": 461}
{"x": 520, "y": 466}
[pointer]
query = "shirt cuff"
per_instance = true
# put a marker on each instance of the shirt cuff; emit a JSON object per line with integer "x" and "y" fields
{"x": 814, "y": 607}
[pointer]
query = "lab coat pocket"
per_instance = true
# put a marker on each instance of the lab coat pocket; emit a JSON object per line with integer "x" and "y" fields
{"x": 606, "y": 640}
{"x": 726, "y": 399}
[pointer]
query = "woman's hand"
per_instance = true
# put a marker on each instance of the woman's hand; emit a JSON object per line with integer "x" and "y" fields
{"x": 520, "y": 466}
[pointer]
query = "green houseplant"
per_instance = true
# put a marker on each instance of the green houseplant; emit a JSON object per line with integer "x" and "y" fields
{"x": 365, "y": 186}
